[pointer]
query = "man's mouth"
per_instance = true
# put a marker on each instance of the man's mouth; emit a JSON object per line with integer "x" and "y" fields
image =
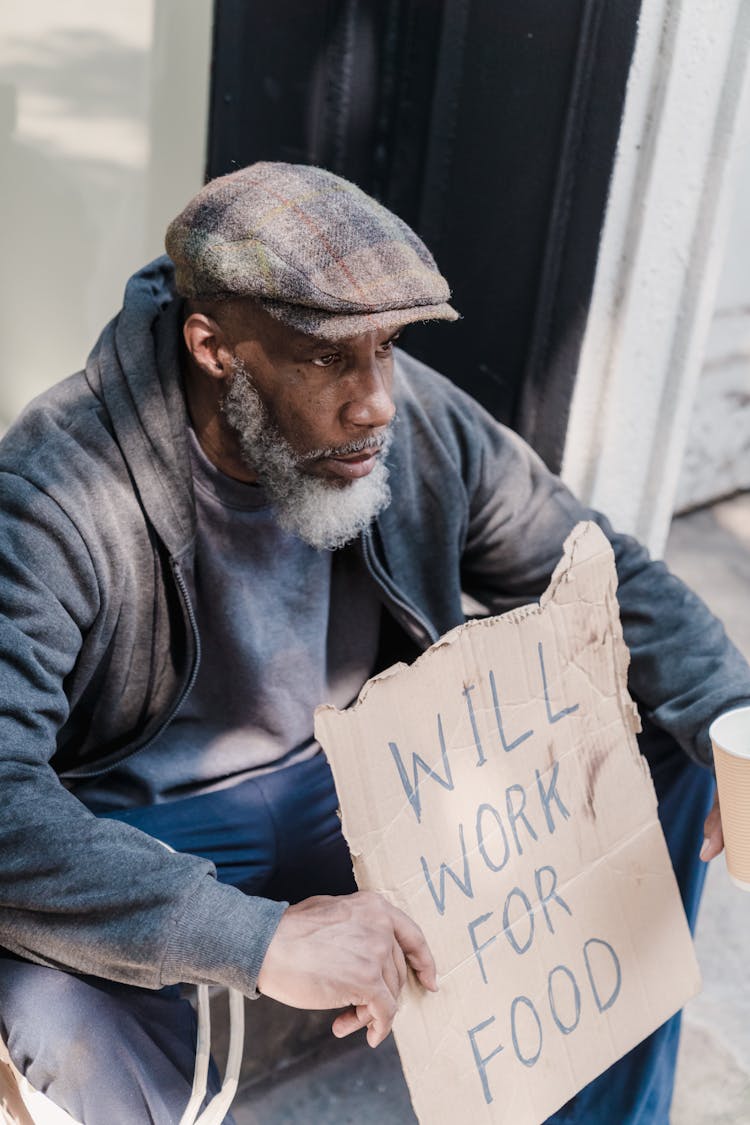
{"x": 345, "y": 463}
{"x": 350, "y": 466}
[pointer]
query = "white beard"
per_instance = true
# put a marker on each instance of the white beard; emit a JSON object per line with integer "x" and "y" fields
{"x": 325, "y": 514}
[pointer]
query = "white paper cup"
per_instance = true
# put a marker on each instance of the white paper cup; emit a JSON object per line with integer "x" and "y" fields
{"x": 730, "y": 736}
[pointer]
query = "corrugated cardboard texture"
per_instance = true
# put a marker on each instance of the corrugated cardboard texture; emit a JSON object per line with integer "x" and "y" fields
{"x": 494, "y": 792}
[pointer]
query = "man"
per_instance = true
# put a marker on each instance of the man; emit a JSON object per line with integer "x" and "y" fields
{"x": 246, "y": 505}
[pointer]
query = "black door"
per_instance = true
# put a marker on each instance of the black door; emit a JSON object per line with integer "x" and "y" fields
{"x": 488, "y": 125}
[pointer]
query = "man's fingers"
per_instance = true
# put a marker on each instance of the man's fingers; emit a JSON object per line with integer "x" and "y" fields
{"x": 354, "y": 1019}
{"x": 348, "y": 1022}
{"x": 394, "y": 971}
{"x": 412, "y": 941}
{"x": 376, "y": 1015}
{"x": 399, "y": 961}
{"x": 713, "y": 842}
{"x": 359, "y": 1016}
{"x": 382, "y": 1009}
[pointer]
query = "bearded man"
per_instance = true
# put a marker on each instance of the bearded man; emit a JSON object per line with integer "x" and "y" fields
{"x": 246, "y": 505}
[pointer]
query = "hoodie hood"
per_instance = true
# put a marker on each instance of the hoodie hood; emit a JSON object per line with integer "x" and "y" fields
{"x": 134, "y": 369}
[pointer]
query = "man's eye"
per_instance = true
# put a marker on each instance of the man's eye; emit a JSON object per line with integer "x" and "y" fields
{"x": 325, "y": 360}
{"x": 388, "y": 345}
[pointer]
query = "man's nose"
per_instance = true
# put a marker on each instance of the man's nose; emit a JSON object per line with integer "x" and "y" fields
{"x": 369, "y": 401}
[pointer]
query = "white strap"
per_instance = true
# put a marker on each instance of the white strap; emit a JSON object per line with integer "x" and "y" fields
{"x": 217, "y": 1108}
{"x": 202, "y": 1054}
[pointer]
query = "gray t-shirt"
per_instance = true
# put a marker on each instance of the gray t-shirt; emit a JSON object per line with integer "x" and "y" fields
{"x": 283, "y": 628}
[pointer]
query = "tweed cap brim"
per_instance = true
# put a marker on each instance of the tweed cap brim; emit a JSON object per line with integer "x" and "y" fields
{"x": 315, "y": 250}
{"x": 342, "y": 326}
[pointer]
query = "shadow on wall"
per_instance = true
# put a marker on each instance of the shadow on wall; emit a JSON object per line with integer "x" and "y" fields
{"x": 73, "y": 130}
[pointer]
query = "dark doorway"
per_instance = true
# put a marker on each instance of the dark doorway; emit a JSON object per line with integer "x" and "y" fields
{"x": 491, "y": 128}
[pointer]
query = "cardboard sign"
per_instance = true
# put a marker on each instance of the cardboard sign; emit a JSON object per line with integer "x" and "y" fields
{"x": 494, "y": 792}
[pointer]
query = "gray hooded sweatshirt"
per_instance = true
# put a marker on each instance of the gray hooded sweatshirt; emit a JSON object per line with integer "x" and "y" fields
{"x": 98, "y": 643}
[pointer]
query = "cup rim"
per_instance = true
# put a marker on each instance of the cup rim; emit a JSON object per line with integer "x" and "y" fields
{"x": 716, "y": 724}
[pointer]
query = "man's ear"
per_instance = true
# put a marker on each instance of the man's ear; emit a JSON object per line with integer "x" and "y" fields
{"x": 207, "y": 344}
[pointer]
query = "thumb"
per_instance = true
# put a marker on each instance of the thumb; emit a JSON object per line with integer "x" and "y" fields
{"x": 713, "y": 842}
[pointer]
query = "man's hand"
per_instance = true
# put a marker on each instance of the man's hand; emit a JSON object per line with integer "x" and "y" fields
{"x": 333, "y": 951}
{"x": 713, "y": 841}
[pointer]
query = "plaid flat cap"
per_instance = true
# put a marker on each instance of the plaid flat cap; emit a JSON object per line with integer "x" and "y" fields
{"x": 320, "y": 254}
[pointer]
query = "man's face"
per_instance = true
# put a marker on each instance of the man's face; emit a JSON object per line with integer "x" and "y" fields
{"x": 312, "y": 418}
{"x": 321, "y": 395}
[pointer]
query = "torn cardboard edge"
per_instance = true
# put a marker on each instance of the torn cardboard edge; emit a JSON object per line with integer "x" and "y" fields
{"x": 585, "y": 543}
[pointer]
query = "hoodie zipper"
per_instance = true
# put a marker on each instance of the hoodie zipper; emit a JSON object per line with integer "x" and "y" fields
{"x": 405, "y": 613}
{"x": 193, "y": 675}
{"x": 187, "y": 687}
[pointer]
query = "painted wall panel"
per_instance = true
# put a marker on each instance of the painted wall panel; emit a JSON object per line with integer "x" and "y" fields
{"x": 103, "y": 114}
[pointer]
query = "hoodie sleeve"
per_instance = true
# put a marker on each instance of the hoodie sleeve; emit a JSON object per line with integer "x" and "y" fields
{"x": 76, "y": 892}
{"x": 684, "y": 671}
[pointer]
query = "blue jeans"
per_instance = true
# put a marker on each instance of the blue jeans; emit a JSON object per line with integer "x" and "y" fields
{"x": 111, "y": 1053}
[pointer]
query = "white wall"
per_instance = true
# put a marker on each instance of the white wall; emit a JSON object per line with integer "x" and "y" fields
{"x": 717, "y": 455}
{"x": 103, "y": 118}
{"x": 660, "y": 258}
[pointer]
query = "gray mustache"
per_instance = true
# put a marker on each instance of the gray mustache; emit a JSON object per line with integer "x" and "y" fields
{"x": 370, "y": 443}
